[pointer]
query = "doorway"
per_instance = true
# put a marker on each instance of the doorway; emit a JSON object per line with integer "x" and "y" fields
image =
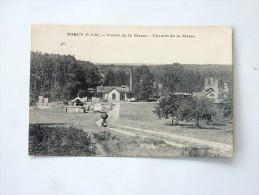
{"x": 113, "y": 96}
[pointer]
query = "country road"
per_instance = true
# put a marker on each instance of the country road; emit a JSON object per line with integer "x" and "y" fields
{"x": 176, "y": 140}
{"x": 114, "y": 113}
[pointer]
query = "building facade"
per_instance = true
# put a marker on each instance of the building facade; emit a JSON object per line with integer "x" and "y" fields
{"x": 113, "y": 93}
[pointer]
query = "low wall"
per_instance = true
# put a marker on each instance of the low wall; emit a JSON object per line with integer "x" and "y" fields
{"x": 75, "y": 109}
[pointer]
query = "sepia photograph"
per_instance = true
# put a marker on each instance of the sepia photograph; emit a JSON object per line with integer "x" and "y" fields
{"x": 140, "y": 91}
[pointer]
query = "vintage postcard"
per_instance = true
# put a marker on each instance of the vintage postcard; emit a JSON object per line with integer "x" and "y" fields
{"x": 157, "y": 91}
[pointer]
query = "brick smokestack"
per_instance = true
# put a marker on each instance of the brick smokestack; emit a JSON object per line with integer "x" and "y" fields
{"x": 131, "y": 79}
{"x": 216, "y": 88}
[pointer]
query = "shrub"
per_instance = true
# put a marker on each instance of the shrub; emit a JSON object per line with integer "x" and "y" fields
{"x": 195, "y": 151}
{"x": 102, "y": 136}
{"x": 59, "y": 140}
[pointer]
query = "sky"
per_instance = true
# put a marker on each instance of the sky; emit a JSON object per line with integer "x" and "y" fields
{"x": 136, "y": 44}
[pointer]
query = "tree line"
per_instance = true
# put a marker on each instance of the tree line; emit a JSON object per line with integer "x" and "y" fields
{"x": 62, "y": 77}
{"x": 188, "y": 108}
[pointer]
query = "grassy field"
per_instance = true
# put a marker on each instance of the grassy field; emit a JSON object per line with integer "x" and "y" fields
{"x": 51, "y": 131}
{"x": 140, "y": 115}
{"x": 84, "y": 121}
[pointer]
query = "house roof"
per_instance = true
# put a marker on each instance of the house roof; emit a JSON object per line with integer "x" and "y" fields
{"x": 107, "y": 89}
{"x": 203, "y": 93}
{"x": 77, "y": 98}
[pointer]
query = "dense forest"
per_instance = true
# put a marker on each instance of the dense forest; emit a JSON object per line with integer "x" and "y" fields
{"x": 63, "y": 77}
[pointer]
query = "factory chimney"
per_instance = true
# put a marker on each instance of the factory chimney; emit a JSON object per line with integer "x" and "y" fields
{"x": 131, "y": 79}
{"x": 216, "y": 88}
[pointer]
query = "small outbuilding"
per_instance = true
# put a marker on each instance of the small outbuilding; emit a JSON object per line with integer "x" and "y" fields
{"x": 78, "y": 105}
{"x": 78, "y": 101}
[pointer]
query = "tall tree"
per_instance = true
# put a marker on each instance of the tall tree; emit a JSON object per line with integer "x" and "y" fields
{"x": 156, "y": 90}
{"x": 109, "y": 79}
{"x": 168, "y": 107}
{"x": 202, "y": 108}
{"x": 171, "y": 78}
{"x": 143, "y": 83}
{"x": 121, "y": 78}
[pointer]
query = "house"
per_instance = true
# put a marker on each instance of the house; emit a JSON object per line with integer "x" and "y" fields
{"x": 110, "y": 93}
{"x": 212, "y": 91}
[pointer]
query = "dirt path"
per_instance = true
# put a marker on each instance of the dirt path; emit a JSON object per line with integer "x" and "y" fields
{"x": 113, "y": 115}
{"x": 179, "y": 140}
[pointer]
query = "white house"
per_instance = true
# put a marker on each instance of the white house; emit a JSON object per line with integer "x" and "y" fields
{"x": 113, "y": 93}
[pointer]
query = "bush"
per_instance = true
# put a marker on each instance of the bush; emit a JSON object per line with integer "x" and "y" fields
{"x": 199, "y": 151}
{"x": 109, "y": 143}
{"x": 102, "y": 136}
{"x": 195, "y": 151}
{"x": 59, "y": 140}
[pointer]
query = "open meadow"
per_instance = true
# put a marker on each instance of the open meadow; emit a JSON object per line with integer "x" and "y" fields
{"x": 58, "y": 116}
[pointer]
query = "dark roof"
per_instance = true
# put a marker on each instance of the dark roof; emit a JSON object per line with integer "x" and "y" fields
{"x": 203, "y": 93}
{"x": 101, "y": 89}
{"x": 124, "y": 89}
